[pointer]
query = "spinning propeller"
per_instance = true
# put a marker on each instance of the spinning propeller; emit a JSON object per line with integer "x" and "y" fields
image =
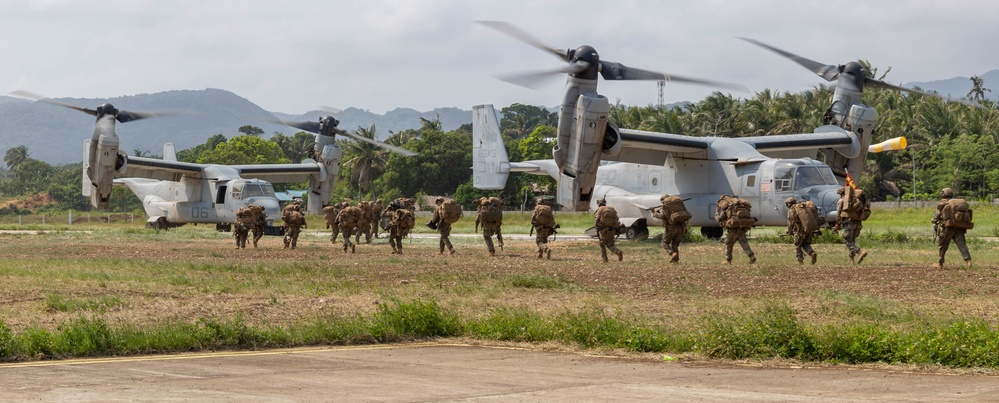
{"x": 852, "y": 75}
{"x": 584, "y": 62}
{"x": 327, "y": 126}
{"x": 120, "y": 115}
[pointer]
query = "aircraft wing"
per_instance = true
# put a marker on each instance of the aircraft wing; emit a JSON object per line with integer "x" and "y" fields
{"x": 824, "y": 137}
{"x": 280, "y": 173}
{"x": 154, "y": 168}
{"x": 644, "y": 147}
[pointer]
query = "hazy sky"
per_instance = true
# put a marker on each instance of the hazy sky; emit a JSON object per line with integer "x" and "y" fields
{"x": 292, "y": 56}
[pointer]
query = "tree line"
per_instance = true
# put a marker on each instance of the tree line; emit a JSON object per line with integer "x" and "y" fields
{"x": 950, "y": 145}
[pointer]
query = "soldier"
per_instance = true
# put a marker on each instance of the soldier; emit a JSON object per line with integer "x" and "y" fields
{"x": 802, "y": 237}
{"x": 608, "y": 226}
{"x": 376, "y": 214}
{"x": 491, "y": 217}
{"x": 401, "y": 221}
{"x": 734, "y": 214}
{"x": 330, "y": 214}
{"x": 851, "y": 225}
{"x": 241, "y": 229}
{"x": 364, "y": 225}
{"x": 350, "y": 218}
{"x": 440, "y": 223}
{"x": 294, "y": 221}
{"x": 674, "y": 216}
{"x": 956, "y": 219}
{"x": 259, "y": 219}
{"x": 543, "y": 225}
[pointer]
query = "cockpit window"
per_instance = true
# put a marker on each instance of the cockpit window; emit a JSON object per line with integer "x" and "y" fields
{"x": 813, "y": 176}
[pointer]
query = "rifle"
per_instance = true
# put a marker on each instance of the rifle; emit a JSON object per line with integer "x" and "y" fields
{"x": 936, "y": 232}
{"x": 661, "y": 205}
{"x": 532, "y": 231}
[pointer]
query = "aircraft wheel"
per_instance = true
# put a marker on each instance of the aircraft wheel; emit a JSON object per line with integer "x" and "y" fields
{"x": 712, "y": 232}
{"x": 637, "y": 233}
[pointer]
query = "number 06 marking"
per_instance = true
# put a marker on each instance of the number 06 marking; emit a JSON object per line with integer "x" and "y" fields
{"x": 199, "y": 212}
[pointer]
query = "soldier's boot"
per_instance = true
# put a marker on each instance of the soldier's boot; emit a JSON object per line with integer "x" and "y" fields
{"x": 603, "y": 255}
{"x": 620, "y": 255}
{"x": 860, "y": 259}
{"x": 727, "y": 261}
{"x": 353, "y": 248}
{"x": 938, "y": 265}
{"x": 967, "y": 263}
{"x": 853, "y": 259}
{"x": 752, "y": 259}
{"x": 815, "y": 257}
{"x": 674, "y": 257}
{"x": 548, "y": 254}
{"x": 541, "y": 253}
{"x": 800, "y": 261}
{"x": 492, "y": 252}
{"x": 452, "y": 251}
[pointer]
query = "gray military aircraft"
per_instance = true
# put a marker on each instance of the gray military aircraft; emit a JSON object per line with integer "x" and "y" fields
{"x": 174, "y": 193}
{"x": 631, "y": 169}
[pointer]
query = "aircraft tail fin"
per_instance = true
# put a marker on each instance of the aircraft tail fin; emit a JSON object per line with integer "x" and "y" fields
{"x": 169, "y": 152}
{"x": 490, "y": 163}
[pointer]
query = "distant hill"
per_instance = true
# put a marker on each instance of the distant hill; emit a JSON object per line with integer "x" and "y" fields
{"x": 958, "y": 87}
{"x": 55, "y": 135}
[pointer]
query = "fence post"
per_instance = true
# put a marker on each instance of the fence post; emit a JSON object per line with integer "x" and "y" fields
{"x": 71, "y": 218}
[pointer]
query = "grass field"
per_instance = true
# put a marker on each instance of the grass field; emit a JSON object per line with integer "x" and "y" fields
{"x": 90, "y": 289}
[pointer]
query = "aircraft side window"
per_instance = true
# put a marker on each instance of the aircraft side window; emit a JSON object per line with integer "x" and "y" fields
{"x": 253, "y": 190}
{"x": 807, "y": 177}
{"x": 782, "y": 179}
{"x": 237, "y": 191}
{"x": 220, "y": 198}
{"x": 751, "y": 181}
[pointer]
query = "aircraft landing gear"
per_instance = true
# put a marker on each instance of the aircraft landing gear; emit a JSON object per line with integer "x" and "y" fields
{"x": 637, "y": 232}
{"x": 712, "y": 232}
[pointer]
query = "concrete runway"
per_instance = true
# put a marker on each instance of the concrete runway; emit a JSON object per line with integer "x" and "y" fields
{"x": 457, "y": 372}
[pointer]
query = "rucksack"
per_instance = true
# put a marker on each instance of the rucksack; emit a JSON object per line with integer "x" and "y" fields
{"x": 607, "y": 217}
{"x": 806, "y": 217}
{"x": 857, "y": 207}
{"x": 294, "y": 218}
{"x": 450, "y": 211}
{"x": 674, "y": 211}
{"x": 351, "y": 216}
{"x": 543, "y": 216}
{"x": 740, "y": 214}
{"x": 957, "y": 214}
{"x": 329, "y": 214}
{"x": 491, "y": 215}
{"x": 403, "y": 221}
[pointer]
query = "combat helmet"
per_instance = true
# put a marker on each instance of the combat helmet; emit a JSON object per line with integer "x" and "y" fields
{"x": 790, "y": 201}
{"x": 947, "y": 193}
{"x": 601, "y": 202}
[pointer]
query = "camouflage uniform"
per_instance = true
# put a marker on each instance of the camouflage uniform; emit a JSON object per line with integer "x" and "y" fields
{"x": 400, "y": 224}
{"x": 489, "y": 228}
{"x": 607, "y": 234}
{"x": 376, "y": 214}
{"x": 541, "y": 234}
{"x": 330, "y": 214}
{"x": 259, "y": 220}
{"x": 294, "y": 221}
{"x": 802, "y": 240}
{"x": 364, "y": 225}
{"x": 672, "y": 233}
{"x": 241, "y": 228}
{"x": 947, "y": 234}
{"x": 349, "y": 219}
{"x": 443, "y": 227}
{"x": 733, "y": 235}
{"x": 851, "y": 228}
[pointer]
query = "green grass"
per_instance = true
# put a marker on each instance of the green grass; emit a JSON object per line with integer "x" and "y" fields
{"x": 774, "y": 331}
{"x": 101, "y": 304}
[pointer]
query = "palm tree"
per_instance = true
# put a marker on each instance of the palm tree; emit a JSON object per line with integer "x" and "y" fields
{"x": 977, "y": 92}
{"x": 366, "y": 160}
{"x": 15, "y": 156}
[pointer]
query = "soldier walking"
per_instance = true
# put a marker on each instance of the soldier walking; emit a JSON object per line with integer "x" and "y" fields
{"x": 544, "y": 226}
{"x": 674, "y": 216}
{"x": 401, "y": 221}
{"x": 444, "y": 216}
{"x": 376, "y": 215}
{"x": 364, "y": 222}
{"x": 797, "y": 226}
{"x": 850, "y": 221}
{"x": 330, "y": 214}
{"x": 350, "y": 218}
{"x": 735, "y": 215}
{"x": 955, "y": 217}
{"x": 259, "y": 219}
{"x": 241, "y": 229}
{"x": 490, "y": 216}
{"x": 294, "y": 221}
{"x": 607, "y": 224}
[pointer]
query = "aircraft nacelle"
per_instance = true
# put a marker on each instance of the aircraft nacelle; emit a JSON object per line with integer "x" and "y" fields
{"x": 578, "y": 171}
{"x": 321, "y": 184}
{"x": 860, "y": 121}
{"x": 101, "y": 162}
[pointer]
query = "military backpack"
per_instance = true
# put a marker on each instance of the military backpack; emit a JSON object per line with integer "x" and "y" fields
{"x": 606, "y": 217}
{"x": 450, "y": 211}
{"x": 957, "y": 214}
{"x": 674, "y": 211}
{"x": 806, "y": 217}
{"x": 740, "y": 214}
{"x": 543, "y": 217}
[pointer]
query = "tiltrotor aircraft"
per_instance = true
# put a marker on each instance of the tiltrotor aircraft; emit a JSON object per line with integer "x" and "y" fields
{"x": 631, "y": 169}
{"x": 174, "y": 193}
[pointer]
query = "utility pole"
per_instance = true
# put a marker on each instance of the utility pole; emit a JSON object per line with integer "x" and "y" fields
{"x": 662, "y": 87}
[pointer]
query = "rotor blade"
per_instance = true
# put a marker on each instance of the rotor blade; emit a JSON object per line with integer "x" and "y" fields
{"x": 881, "y": 84}
{"x": 310, "y": 126}
{"x": 398, "y": 150}
{"x": 35, "y": 97}
{"x": 826, "y": 71}
{"x": 126, "y": 116}
{"x": 534, "y": 78}
{"x": 525, "y": 37}
{"x": 618, "y": 71}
